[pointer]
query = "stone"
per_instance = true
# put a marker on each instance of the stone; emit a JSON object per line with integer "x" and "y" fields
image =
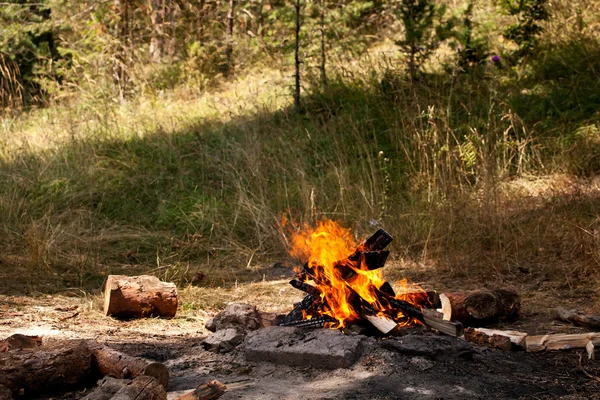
{"x": 319, "y": 348}
{"x": 426, "y": 345}
{"x": 223, "y": 341}
{"x": 240, "y": 316}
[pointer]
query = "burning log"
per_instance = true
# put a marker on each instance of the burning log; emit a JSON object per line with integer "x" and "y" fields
{"x": 482, "y": 307}
{"x": 113, "y": 363}
{"x": 313, "y": 323}
{"x": 45, "y": 367}
{"x": 344, "y": 283}
{"x": 139, "y": 297}
{"x": 578, "y": 318}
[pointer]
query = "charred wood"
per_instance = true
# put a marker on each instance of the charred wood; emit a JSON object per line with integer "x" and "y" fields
{"x": 313, "y": 323}
{"x": 296, "y": 314}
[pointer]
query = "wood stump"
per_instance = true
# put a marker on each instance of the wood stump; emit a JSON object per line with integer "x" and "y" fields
{"x": 142, "y": 296}
{"x": 110, "y": 362}
{"x": 482, "y": 307}
{"x": 52, "y": 366}
{"x": 107, "y": 388}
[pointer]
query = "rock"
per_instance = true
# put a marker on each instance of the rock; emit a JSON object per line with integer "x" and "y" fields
{"x": 319, "y": 348}
{"x": 426, "y": 345}
{"x": 241, "y": 316}
{"x": 223, "y": 341}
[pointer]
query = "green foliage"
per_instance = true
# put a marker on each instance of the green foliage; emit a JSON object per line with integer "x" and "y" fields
{"x": 424, "y": 30}
{"x": 525, "y": 32}
{"x": 472, "y": 50}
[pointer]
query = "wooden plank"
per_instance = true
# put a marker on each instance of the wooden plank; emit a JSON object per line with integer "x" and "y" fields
{"x": 385, "y": 325}
{"x": 559, "y": 341}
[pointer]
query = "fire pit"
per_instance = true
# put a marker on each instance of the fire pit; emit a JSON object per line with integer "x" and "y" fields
{"x": 344, "y": 285}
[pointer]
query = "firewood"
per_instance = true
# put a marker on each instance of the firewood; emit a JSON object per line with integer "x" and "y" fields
{"x": 577, "y": 318}
{"x": 142, "y": 387}
{"x": 18, "y": 341}
{"x": 209, "y": 391}
{"x": 503, "y": 340}
{"x": 434, "y": 320}
{"x": 110, "y": 362}
{"x": 139, "y": 297}
{"x": 482, "y": 307}
{"x": 559, "y": 341}
{"x": 385, "y": 325}
{"x": 46, "y": 367}
{"x": 590, "y": 348}
{"x": 106, "y": 388}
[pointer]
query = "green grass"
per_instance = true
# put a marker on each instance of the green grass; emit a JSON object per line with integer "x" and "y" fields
{"x": 455, "y": 166}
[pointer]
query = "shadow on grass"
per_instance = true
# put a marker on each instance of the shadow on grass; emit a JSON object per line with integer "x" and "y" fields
{"x": 208, "y": 200}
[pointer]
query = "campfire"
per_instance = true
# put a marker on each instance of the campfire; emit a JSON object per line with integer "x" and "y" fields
{"x": 344, "y": 285}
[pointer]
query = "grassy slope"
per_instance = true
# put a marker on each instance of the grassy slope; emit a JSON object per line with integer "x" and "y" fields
{"x": 481, "y": 176}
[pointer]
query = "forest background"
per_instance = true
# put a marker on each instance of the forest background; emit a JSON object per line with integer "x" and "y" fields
{"x": 174, "y": 137}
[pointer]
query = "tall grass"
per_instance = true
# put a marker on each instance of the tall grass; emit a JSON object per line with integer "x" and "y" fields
{"x": 455, "y": 166}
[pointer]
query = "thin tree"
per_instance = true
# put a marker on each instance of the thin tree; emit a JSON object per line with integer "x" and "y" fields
{"x": 323, "y": 52}
{"x": 297, "y": 106}
{"x": 229, "y": 39}
{"x": 157, "y": 17}
{"x": 120, "y": 73}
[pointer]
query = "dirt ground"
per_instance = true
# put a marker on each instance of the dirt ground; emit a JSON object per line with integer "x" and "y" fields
{"x": 380, "y": 374}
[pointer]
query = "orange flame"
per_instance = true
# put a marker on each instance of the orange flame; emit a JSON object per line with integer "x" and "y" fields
{"x": 339, "y": 272}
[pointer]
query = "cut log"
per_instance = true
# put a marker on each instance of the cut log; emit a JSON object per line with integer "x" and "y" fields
{"x": 139, "y": 297}
{"x": 559, "y": 341}
{"x": 142, "y": 387}
{"x": 18, "y": 341}
{"x": 106, "y": 388}
{"x": 52, "y": 366}
{"x": 482, "y": 307}
{"x": 110, "y": 362}
{"x": 209, "y": 391}
{"x": 577, "y": 318}
{"x": 385, "y": 325}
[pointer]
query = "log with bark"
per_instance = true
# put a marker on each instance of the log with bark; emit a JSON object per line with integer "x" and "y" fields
{"x": 106, "y": 388}
{"x": 578, "y": 318}
{"x": 51, "y": 366}
{"x": 482, "y": 307}
{"x": 109, "y": 362}
{"x": 209, "y": 391}
{"x": 139, "y": 296}
{"x": 142, "y": 387}
{"x": 560, "y": 341}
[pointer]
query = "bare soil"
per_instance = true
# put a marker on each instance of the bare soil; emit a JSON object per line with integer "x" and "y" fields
{"x": 381, "y": 373}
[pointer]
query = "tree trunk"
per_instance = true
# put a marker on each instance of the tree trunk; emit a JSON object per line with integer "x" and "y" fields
{"x": 323, "y": 52}
{"x": 157, "y": 17}
{"x": 121, "y": 62}
{"x": 53, "y": 366}
{"x": 139, "y": 297}
{"x": 110, "y": 362}
{"x": 297, "y": 106}
{"x": 229, "y": 39}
